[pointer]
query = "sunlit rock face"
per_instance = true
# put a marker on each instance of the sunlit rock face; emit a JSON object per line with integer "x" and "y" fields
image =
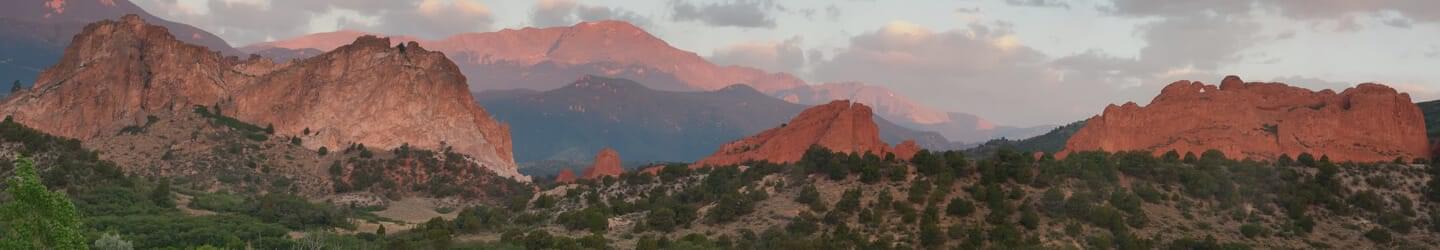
{"x": 1366, "y": 123}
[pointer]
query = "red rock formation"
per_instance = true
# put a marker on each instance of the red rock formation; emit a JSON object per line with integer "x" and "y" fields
{"x": 607, "y": 163}
{"x": 1366, "y": 123}
{"x": 115, "y": 73}
{"x": 652, "y": 170}
{"x": 906, "y": 150}
{"x": 566, "y": 176}
{"x": 840, "y": 126}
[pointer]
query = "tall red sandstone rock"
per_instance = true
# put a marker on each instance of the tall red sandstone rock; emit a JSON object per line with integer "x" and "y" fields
{"x": 840, "y": 126}
{"x": 115, "y": 73}
{"x": 1366, "y": 123}
{"x": 607, "y": 163}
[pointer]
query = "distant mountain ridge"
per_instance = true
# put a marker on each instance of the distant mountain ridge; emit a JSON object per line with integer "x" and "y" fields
{"x": 34, "y": 34}
{"x": 646, "y": 125}
{"x": 547, "y": 58}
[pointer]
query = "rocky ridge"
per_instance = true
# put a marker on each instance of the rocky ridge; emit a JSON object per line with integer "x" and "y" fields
{"x": 607, "y": 163}
{"x": 841, "y": 126}
{"x": 1367, "y": 123}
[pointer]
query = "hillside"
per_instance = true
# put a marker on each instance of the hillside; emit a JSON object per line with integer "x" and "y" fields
{"x": 1126, "y": 200}
{"x": 1050, "y": 142}
{"x": 645, "y": 125}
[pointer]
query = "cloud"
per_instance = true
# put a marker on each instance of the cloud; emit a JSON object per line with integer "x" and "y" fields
{"x": 738, "y": 13}
{"x": 1039, "y": 3}
{"x": 1143, "y": 8}
{"x": 832, "y": 12}
{"x": 549, "y": 13}
{"x": 1419, "y": 10}
{"x": 974, "y": 69}
{"x": 250, "y": 21}
{"x": 785, "y": 56}
{"x": 553, "y": 13}
{"x": 1204, "y": 42}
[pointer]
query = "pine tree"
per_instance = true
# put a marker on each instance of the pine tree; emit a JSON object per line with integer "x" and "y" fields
{"x": 16, "y": 87}
{"x": 161, "y": 194}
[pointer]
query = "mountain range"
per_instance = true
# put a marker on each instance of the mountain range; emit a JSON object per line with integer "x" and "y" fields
{"x": 548, "y": 58}
{"x": 647, "y": 125}
{"x": 34, "y": 34}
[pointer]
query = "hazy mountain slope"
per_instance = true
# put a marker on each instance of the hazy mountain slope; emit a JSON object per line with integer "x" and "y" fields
{"x": 33, "y": 34}
{"x": 643, "y": 124}
{"x": 548, "y": 58}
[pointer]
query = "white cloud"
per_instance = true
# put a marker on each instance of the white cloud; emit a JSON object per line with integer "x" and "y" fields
{"x": 549, "y": 13}
{"x": 740, "y": 13}
{"x": 784, "y": 56}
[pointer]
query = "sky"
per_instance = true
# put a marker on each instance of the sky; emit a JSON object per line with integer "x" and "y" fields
{"x": 1014, "y": 62}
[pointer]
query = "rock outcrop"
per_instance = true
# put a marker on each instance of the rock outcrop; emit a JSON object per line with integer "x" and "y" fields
{"x": 840, "y": 126}
{"x": 607, "y": 163}
{"x": 565, "y": 176}
{"x": 906, "y": 150}
{"x": 116, "y": 73}
{"x": 1366, "y": 123}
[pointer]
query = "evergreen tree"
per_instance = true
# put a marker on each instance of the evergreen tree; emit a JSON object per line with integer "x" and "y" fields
{"x": 35, "y": 217}
{"x": 161, "y": 194}
{"x": 16, "y": 87}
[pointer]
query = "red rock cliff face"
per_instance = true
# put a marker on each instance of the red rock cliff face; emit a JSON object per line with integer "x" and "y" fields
{"x": 607, "y": 163}
{"x": 369, "y": 92}
{"x": 115, "y": 73}
{"x": 1367, "y": 123}
{"x": 840, "y": 126}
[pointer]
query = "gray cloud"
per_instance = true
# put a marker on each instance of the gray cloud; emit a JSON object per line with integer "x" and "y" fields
{"x": 1199, "y": 41}
{"x": 1399, "y": 23}
{"x": 246, "y": 22}
{"x": 1178, "y": 7}
{"x": 1039, "y": 3}
{"x": 972, "y": 70}
{"x": 832, "y": 12}
{"x": 1419, "y": 10}
{"x": 786, "y": 56}
{"x": 567, "y": 12}
{"x": 1416, "y": 10}
{"x": 553, "y": 13}
{"x": 736, "y": 13}
{"x": 594, "y": 13}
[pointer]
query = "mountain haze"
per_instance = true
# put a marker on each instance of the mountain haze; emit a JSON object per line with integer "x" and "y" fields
{"x": 572, "y": 122}
{"x": 547, "y": 58}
